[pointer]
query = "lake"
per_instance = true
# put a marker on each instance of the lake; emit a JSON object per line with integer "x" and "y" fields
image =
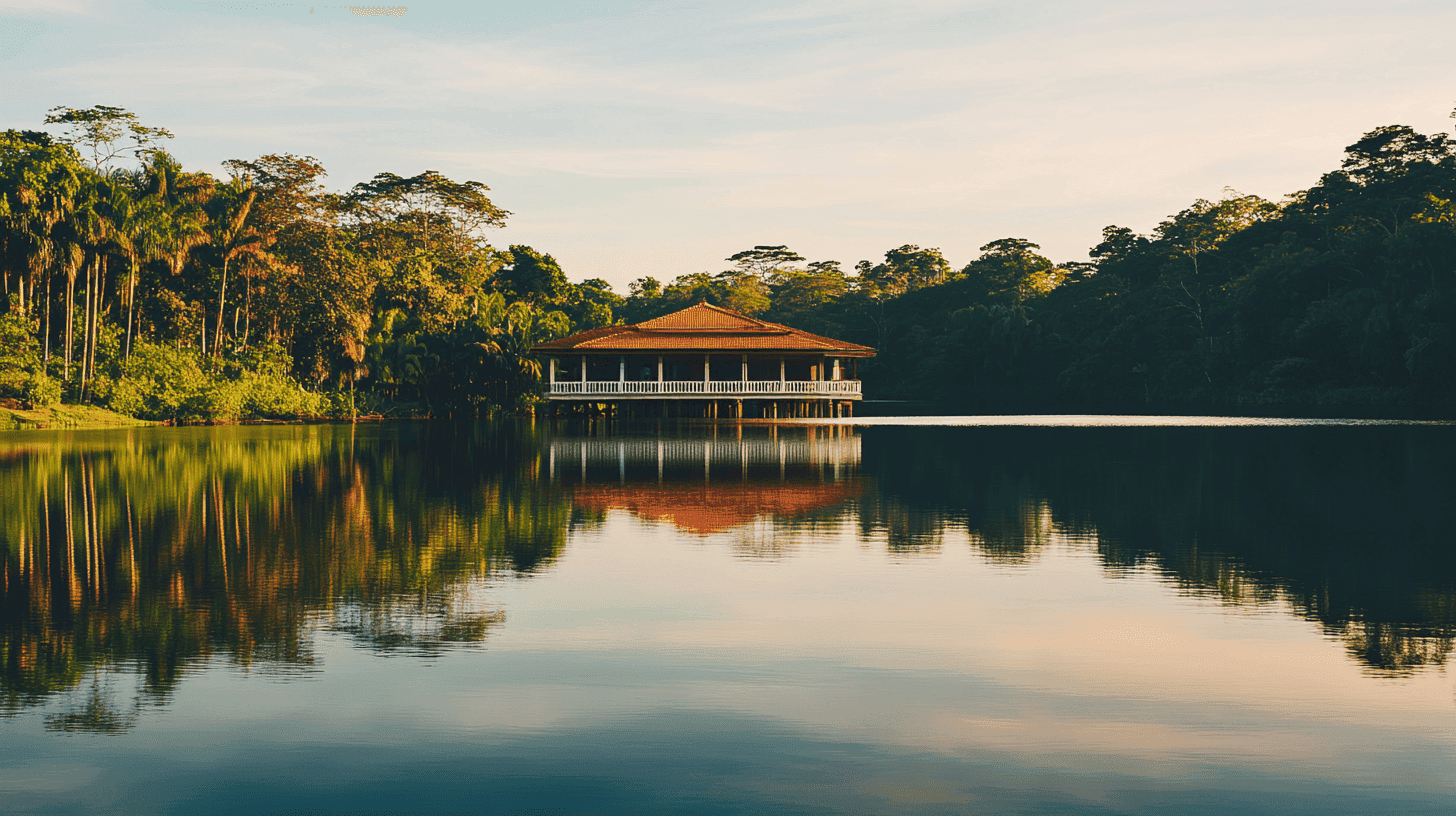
{"x": 940, "y": 615}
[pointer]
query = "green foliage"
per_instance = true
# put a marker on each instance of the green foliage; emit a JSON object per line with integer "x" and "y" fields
{"x": 106, "y": 131}
{"x": 765, "y": 261}
{"x": 733, "y": 289}
{"x": 591, "y": 304}
{"x": 156, "y": 381}
{"x": 165, "y": 383}
{"x": 532, "y": 276}
{"x": 1014, "y": 271}
{"x": 905, "y": 269}
{"x": 173, "y": 295}
{"x": 42, "y": 391}
{"x": 19, "y": 354}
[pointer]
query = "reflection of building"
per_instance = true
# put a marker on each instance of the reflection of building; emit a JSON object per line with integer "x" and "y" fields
{"x": 706, "y": 361}
{"x": 708, "y": 484}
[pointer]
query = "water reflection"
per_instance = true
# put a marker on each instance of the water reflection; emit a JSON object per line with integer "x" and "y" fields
{"x": 1349, "y": 527}
{"x": 160, "y": 549}
{"x": 744, "y": 479}
{"x": 152, "y": 552}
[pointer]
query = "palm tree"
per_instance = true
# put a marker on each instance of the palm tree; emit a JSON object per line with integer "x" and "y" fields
{"x": 38, "y": 184}
{"x": 504, "y": 352}
{"x": 92, "y": 227}
{"x": 177, "y": 200}
{"x": 231, "y": 237}
{"x": 80, "y": 234}
{"x": 141, "y": 227}
{"x": 255, "y": 266}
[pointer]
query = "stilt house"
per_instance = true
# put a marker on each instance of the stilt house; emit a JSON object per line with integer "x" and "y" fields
{"x": 705, "y": 361}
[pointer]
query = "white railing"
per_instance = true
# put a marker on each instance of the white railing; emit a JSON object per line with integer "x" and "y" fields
{"x": 685, "y": 388}
{"x": 781, "y": 449}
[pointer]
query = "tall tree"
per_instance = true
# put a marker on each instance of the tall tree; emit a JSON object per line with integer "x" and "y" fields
{"x": 231, "y": 237}
{"x": 140, "y": 234}
{"x": 905, "y": 268}
{"x": 293, "y": 213}
{"x": 39, "y": 181}
{"x": 427, "y": 210}
{"x": 764, "y": 261}
{"x": 532, "y": 276}
{"x": 106, "y": 132}
{"x": 1011, "y": 266}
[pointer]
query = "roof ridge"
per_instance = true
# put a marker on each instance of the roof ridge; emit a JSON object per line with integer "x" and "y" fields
{"x": 681, "y": 330}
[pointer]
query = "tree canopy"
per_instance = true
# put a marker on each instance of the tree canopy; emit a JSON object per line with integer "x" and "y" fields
{"x": 169, "y": 293}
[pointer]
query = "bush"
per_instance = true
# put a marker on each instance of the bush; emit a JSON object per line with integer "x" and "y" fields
{"x": 275, "y": 395}
{"x": 213, "y": 400}
{"x": 19, "y": 354}
{"x": 161, "y": 383}
{"x": 156, "y": 381}
{"x": 42, "y": 391}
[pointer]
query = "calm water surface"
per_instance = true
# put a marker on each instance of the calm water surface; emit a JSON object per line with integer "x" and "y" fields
{"x": 970, "y": 616}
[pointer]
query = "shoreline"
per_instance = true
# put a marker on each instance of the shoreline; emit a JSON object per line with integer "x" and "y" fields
{"x": 65, "y": 418}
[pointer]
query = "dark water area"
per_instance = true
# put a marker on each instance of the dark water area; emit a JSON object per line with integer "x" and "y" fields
{"x": 1050, "y": 405}
{"x": 944, "y": 615}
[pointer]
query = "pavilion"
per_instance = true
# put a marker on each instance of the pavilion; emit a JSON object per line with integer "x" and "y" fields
{"x": 705, "y": 361}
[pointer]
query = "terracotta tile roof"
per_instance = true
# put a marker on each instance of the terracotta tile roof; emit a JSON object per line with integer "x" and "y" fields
{"x": 702, "y": 327}
{"x": 704, "y": 316}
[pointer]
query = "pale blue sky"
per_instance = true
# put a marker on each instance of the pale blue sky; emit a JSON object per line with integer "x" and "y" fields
{"x": 657, "y": 138}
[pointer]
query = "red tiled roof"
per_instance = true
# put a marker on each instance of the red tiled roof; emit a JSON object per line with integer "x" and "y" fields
{"x": 704, "y": 316}
{"x": 702, "y": 327}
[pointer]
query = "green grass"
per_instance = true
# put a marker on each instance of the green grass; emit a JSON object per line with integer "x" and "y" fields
{"x": 64, "y": 417}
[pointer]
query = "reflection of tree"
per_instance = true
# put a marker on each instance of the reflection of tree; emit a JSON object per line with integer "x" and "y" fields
{"x": 97, "y": 715}
{"x": 164, "y": 549}
{"x": 422, "y": 626}
{"x": 1007, "y": 521}
{"x": 1347, "y": 526}
{"x": 907, "y": 530}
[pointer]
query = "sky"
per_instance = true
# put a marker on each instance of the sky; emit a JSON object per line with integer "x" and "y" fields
{"x": 657, "y": 138}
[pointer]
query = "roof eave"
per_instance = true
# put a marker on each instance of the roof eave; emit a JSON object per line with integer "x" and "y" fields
{"x": 836, "y": 352}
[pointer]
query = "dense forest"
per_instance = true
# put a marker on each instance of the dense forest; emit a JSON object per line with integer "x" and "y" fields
{"x": 133, "y": 284}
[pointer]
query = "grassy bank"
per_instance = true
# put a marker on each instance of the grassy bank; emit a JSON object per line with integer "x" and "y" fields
{"x": 64, "y": 417}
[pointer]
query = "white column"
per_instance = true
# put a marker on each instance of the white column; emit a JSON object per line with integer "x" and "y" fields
{"x": 781, "y": 373}
{"x": 836, "y": 368}
{"x": 551, "y": 371}
{"x": 745, "y": 368}
{"x": 621, "y": 368}
{"x": 659, "y": 368}
{"x": 583, "y": 369}
{"x": 707, "y": 371}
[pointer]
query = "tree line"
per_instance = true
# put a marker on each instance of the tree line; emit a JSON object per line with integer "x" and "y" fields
{"x": 132, "y": 283}
{"x": 1342, "y": 294}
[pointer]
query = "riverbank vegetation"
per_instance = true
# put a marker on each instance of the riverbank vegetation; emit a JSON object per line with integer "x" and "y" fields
{"x": 133, "y": 284}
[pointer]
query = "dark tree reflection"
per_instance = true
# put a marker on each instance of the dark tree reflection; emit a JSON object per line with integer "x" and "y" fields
{"x": 166, "y": 548}
{"x": 145, "y": 554}
{"x": 1347, "y": 526}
